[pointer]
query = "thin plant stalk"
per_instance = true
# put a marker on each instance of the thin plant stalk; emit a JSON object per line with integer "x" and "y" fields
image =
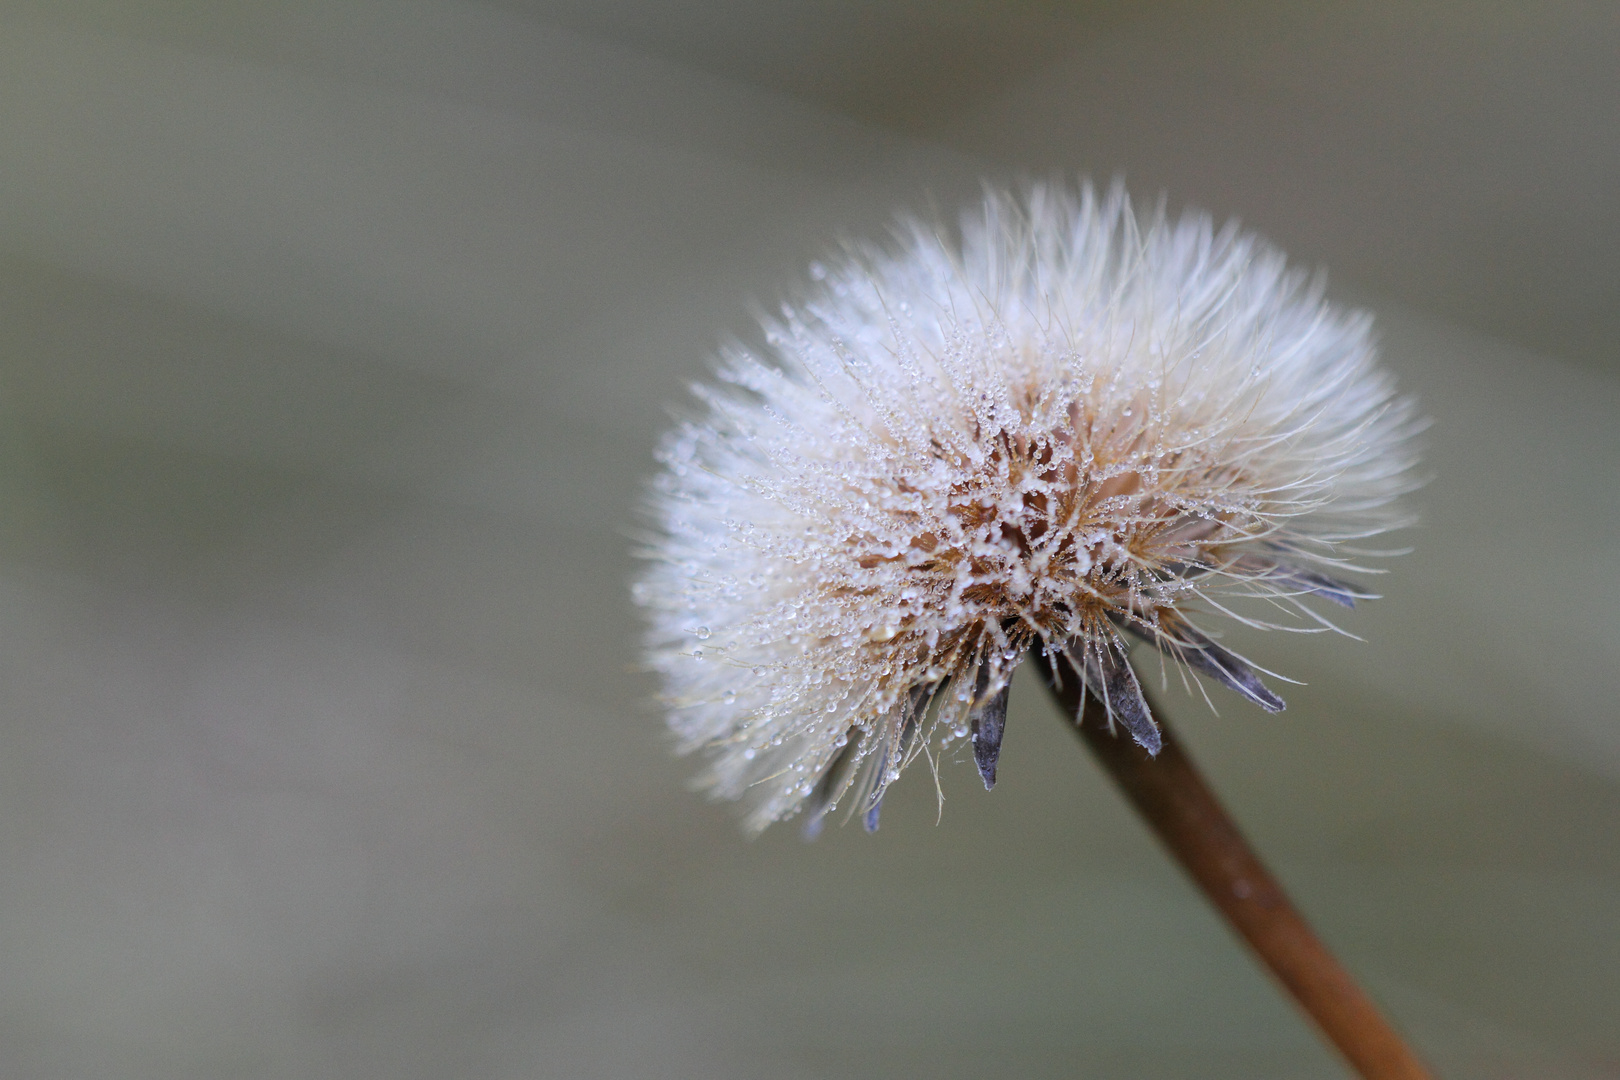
{"x": 1171, "y": 794}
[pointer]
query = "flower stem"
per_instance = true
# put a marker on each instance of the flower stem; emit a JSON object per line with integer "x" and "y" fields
{"x": 1171, "y": 794}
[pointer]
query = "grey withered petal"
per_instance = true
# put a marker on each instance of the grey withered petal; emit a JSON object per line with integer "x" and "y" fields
{"x": 989, "y": 720}
{"x": 1108, "y": 676}
{"x": 1182, "y": 642}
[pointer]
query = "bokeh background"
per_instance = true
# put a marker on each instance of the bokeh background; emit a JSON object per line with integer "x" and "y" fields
{"x": 335, "y": 337}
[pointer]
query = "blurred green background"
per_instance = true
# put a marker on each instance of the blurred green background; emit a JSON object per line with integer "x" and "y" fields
{"x": 334, "y": 340}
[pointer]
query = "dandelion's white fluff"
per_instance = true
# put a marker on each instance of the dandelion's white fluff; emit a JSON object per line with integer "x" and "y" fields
{"x": 1064, "y": 422}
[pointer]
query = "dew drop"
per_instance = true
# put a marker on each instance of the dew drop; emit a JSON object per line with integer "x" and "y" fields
{"x": 729, "y": 696}
{"x": 697, "y": 654}
{"x": 701, "y": 633}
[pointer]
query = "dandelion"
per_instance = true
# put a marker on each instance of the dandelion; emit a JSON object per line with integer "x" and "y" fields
{"x": 1063, "y": 429}
{"x": 1066, "y": 429}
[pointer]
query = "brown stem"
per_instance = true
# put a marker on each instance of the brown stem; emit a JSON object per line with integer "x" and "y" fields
{"x": 1169, "y": 792}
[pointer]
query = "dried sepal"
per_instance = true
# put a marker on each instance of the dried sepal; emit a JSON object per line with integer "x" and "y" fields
{"x": 988, "y": 721}
{"x": 1106, "y": 670}
{"x": 1187, "y": 645}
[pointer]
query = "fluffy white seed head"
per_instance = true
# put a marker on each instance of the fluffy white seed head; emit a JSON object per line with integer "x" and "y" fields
{"x": 1064, "y": 422}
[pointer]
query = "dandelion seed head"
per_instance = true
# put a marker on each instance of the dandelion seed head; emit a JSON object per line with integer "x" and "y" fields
{"x": 1063, "y": 424}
